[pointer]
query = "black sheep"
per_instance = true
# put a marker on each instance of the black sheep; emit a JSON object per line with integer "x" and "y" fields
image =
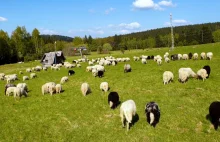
{"x": 113, "y": 100}
{"x": 214, "y": 113}
{"x": 71, "y": 72}
{"x": 152, "y": 112}
{"x": 174, "y": 57}
{"x": 190, "y": 55}
{"x": 100, "y": 73}
{"x": 9, "y": 85}
{"x": 208, "y": 70}
{"x": 152, "y": 57}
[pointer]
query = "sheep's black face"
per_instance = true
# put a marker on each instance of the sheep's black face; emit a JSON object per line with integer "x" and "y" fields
{"x": 214, "y": 112}
{"x": 152, "y": 108}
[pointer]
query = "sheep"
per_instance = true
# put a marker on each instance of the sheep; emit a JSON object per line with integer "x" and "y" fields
{"x": 143, "y": 61}
{"x": 183, "y": 76}
{"x": 185, "y": 57}
{"x": 167, "y": 60}
{"x": 28, "y": 70}
{"x": 127, "y": 68}
{"x": 113, "y": 63}
{"x": 209, "y": 55}
{"x": 64, "y": 79}
{"x": 113, "y": 100}
{"x": 18, "y": 92}
{"x": 10, "y": 90}
{"x": 195, "y": 56}
{"x": 9, "y": 85}
{"x": 104, "y": 86}
{"x": 159, "y": 61}
{"x": 85, "y": 89}
{"x": 208, "y": 70}
{"x": 190, "y": 55}
{"x": 214, "y": 113}
{"x": 22, "y": 86}
{"x": 189, "y": 71}
{"x": 45, "y": 68}
{"x": 20, "y": 72}
{"x": 127, "y": 111}
{"x": 2, "y": 76}
{"x": 54, "y": 68}
{"x": 167, "y": 77}
{"x": 25, "y": 78}
{"x": 58, "y": 88}
{"x": 71, "y": 72}
{"x": 203, "y": 56}
{"x": 100, "y": 74}
{"x": 89, "y": 68}
{"x": 48, "y": 88}
{"x": 180, "y": 56}
{"x": 33, "y": 75}
{"x": 202, "y": 74}
{"x": 152, "y": 112}
{"x": 78, "y": 65}
{"x": 174, "y": 57}
{"x": 94, "y": 72}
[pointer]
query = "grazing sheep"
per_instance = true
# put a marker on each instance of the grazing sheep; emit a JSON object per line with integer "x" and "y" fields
{"x": 20, "y": 72}
{"x": 214, "y": 113}
{"x": 183, "y": 76}
{"x": 49, "y": 87}
{"x": 54, "y": 68}
{"x": 174, "y": 57}
{"x": 78, "y": 65}
{"x": 23, "y": 86}
{"x": 152, "y": 112}
{"x": 100, "y": 74}
{"x": 94, "y": 72}
{"x": 189, "y": 71}
{"x": 180, "y": 56}
{"x": 185, "y": 57}
{"x": 208, "y": 70}
{"x": 45, "y": 68}
{"x": 127, "y": 111}
{"x": 25, "y": 78}
{"x": 85, "y": 89}
{"x": 2, "y": 76}
{"x": 113, "y": 100}
{"x": 58, "y": 88}
{"x": 9, "y": 85}
{"x": 71, "y": 72}
{"x": 64, "y": 79}
{"x": 159, "y": 61}
{"x": 143, "y": 61}
{"x": 10, "y": 90}
{"x": 190, "y": 55}
{"x": 33, "y": 75}
{"x": 203, "y": 56}
{"x": 104, "y": 86}
{"x": 127, "y": 68}
{"x": 167, "y": 77}
{"x": 28, "y": 70}
{"x": 209, "y": 55}
{"x": 202, "y": 74}
{"x": 167, "y": 60}
{"x": 195, "y": 56}
{"x": 18, "y": 92}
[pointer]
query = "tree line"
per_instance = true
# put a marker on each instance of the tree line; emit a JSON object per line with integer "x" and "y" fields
{"x": 23, "y": 46}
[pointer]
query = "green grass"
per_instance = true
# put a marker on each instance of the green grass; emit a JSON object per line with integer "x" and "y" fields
{"x": 70, "y": 116}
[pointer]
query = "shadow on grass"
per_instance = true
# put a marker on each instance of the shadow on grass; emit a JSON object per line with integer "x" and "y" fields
{"x": 135, "y": 120}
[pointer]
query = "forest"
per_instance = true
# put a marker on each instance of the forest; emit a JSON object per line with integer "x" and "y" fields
{"x": 24, "y": 46}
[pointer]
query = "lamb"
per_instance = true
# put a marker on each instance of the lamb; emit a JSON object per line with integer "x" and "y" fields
{"x": 48, "y": 88}
{"x": 71, "y": 72}
{"x": 214, "y": 113}
{"x": 100, "y": 74}
{"x": 167, "y": 77}
{"x": 64, "y": 79}
{"x": 104, "y": 86}
{"x": 127, "y": 111}
{"x": 33, "y": 75}
{"x": 143, "y": 61}
{"x": 208, "y": 70}
{"x": 209, "y": 55}
{"x": 202, "y": 74}
{"x": 58, "y": 88}
{"x": 203, "y": 56}
{"x": 9, "y": 85}
{"x": 25, "y": 78}
{"x": 85, "y": 89}
{"x": 127, "y": 68}
{"x": 152, "y": 112}
{"x": 113, "y": 100}
{"x": 10, "y": 90}
{"x": 195, "y": 56}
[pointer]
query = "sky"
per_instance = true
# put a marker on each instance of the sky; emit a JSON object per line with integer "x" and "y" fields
{"x": 103, "y": 18}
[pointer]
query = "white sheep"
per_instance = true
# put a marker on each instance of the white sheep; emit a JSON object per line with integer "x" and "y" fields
{"x": 64, "y": 79}
{"x": 58, "y": 88}
{"x": 25, "y": 78}
{"x": 143, "y": 61}
{"x": 159, "y": 61}
{"x": 10, "y": 90}
{"x": 104, "y": 86}
{"x": 203, "y": 56}
{"x": 202, "y": 73}
{"x": 185, "y": 57}
{"x": 33, "y": 75}
{"x": 189, "y": 71}
{"x": 2, "y": 76}
{"x": 18, "y": 92}
{"x": 54, "y": 68}
{"x": 167, "y": 60}
{"x": 195, "y": 56}
{"x": 28, "y": 70}
{"x": 78, "y": 65}
{"x": 183, "y": 76}
{"x": 20, "y": 72}
{"x": 180, "y": 56}
{"x": 127, "y": 111}
{"x": 209, "y": 55}
{"x": 23, "y": 85}
{"x": 49, "y": 87}
{"x": 167, "y": 77}
{"x": 85, "y": 89}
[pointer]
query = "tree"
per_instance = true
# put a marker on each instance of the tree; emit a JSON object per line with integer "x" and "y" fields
{"x": 4, "y": 51}
{"x": 107, "y": 47}
{"x": 77, "y": 41}
{"x": 206, "y": 35}
{"x": 151, "y": 42}
{"x": 216, "y": 35}
{"x": 35, "y": 37}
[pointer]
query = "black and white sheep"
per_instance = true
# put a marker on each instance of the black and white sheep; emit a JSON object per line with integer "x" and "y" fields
{"x": 208, "y": 70}
{"x": 127, "y": 68}
{"x": 85, "y": 89}
{"x": 100, "y": 74}
{"x": 113, "y": 100}
{"x": 174, "y": 57}
{"x": 71, "y": 72}
{"x": 127, "y": 111}
{"x": 190, "y": 55}
{"x": 214, "y": 113}
{"x": 202, "y": 74}
{"x": 209, "y": 55}
{"x": 9, "y": 85}
{"x": 152, "y": 112}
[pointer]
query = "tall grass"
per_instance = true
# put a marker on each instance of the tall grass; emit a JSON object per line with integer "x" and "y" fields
{"x": 70, "y": 116}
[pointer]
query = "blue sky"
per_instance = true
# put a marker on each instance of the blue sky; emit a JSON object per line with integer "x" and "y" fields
{"x": 102, "y": 18}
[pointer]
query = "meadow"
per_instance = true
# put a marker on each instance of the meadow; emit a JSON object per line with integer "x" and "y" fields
{"x": 70, "y": 116}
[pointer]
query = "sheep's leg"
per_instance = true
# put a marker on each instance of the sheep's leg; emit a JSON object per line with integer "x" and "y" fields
{"x": 122, "y": 120}
{"x": 128, "y": 126}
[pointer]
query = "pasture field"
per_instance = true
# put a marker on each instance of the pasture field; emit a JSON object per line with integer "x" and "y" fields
{"x": 70, "y": 116}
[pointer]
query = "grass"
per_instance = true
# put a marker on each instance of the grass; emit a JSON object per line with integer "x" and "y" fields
{"x": 70, "y": 116}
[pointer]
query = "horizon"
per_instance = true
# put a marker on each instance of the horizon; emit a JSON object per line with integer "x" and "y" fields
{"x": 102, "y": 19}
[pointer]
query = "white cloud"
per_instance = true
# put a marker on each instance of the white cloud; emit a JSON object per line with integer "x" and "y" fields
{"x": 107, "y": 11}
{"x": 98, "y": 31}
{"x": 2, "y": 19}
{"x": 47, "y": 31}
{"x": 150, "y": 4}
{"x": 134, "y": 25}
{"x": 177, "y": 23}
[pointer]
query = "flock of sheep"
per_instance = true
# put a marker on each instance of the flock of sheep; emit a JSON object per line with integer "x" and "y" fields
{"x": 97, "y": 68}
